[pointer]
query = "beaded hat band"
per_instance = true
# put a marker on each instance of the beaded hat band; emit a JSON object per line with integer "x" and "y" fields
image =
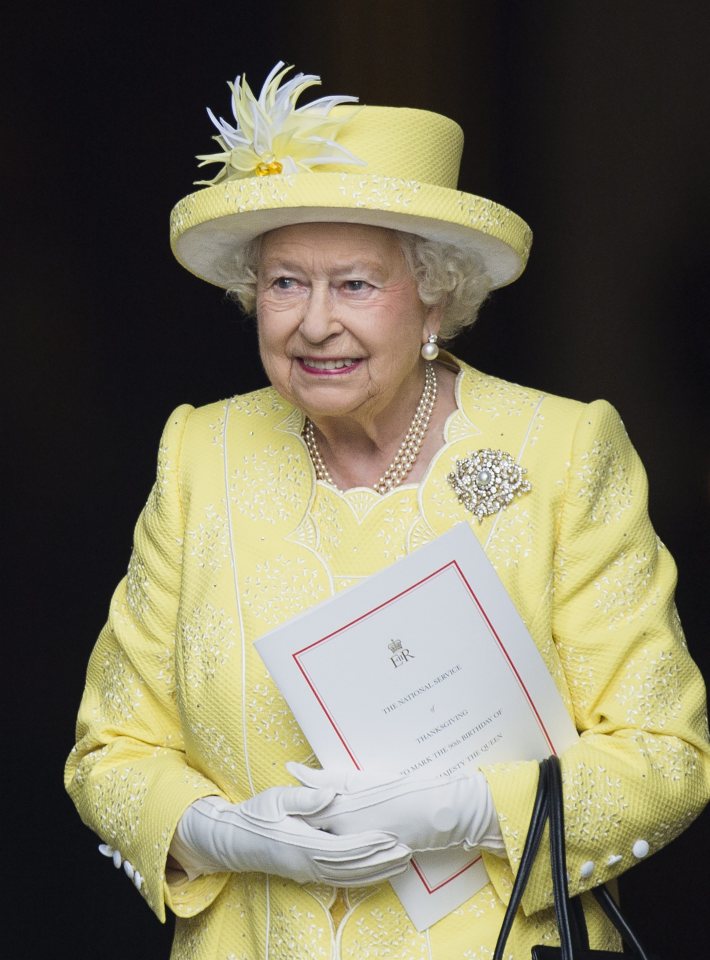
{"x": 332, "y": 162}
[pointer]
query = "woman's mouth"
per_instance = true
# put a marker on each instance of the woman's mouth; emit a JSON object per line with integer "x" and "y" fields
{"x": 339, "y": 365}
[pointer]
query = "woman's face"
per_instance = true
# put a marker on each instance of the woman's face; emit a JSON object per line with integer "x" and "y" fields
{"x": 340, "y": 322}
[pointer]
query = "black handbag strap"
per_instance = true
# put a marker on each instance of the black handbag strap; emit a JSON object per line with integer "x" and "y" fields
{"x": 573, "y": 936}
{"x": 574, "y": 940}
{"x": 532, "y": 842}
{"x": 611, "y": 909}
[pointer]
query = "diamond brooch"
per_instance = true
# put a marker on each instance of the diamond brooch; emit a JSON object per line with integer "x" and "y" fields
{"x": 487, "y": 480}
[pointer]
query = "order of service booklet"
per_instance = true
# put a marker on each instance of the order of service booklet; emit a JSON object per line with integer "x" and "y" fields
{"x": 423, "y": 668}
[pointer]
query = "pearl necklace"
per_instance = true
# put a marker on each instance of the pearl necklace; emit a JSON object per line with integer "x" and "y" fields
{"x": 408, "y": 450}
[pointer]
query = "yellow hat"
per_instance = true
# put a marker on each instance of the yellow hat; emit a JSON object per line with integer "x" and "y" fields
{"x": 330, "y": 161}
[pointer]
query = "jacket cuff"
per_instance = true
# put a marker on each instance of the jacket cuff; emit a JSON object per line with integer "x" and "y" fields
{"x": 513, "y": 787}
{"x": 143, "y": 852}
{"x": 188, "y": 897}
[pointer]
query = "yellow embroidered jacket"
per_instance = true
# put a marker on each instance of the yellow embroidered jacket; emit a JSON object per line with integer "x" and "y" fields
{"x": 238, "y": 537}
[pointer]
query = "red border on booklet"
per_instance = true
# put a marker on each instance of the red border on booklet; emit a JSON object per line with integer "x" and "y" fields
{"x": 331, "y": 720}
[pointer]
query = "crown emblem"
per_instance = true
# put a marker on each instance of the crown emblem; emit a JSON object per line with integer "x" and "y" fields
{"x": 395, "y": 645}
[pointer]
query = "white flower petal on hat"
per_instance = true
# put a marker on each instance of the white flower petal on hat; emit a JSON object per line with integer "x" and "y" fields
{"x": 272, "y": 128}
{"x": 325, "y": 104}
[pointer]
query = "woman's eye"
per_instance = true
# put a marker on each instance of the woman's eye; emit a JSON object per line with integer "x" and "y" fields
{"x": 285, "y": 283}
{"x": 356, "y": 286}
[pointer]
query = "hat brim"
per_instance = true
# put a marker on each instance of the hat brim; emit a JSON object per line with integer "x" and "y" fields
{"x": 207, "y": 226}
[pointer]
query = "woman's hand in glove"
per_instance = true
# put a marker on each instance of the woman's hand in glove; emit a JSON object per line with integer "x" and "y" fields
{"x": 268, "y": 834}
{"x": 424, "y": 814}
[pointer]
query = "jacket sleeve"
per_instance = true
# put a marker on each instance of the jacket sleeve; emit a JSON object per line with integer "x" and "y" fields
{"x": 127, "y": 774}
{"x": 640, "y": 772}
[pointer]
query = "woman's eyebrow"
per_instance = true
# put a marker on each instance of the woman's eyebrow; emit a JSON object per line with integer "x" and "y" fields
{"x": 359, "y": 266}
{"x": 278, "y": 263}
{"x": 363, "y": 269}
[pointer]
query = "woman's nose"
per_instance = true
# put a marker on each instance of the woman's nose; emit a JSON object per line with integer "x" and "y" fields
{"x": 319, "y": 320}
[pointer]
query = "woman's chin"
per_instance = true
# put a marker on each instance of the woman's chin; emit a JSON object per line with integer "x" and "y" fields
{"x": 329, "y": 393}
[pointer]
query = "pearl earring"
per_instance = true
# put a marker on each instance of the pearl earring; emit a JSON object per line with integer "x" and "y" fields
{"x": 430, "y": 350}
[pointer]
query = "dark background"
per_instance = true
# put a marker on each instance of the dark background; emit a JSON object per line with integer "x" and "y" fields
{"x": 587, "y": 118}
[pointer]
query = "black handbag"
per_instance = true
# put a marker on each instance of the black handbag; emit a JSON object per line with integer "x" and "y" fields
{"x": 574, "y": 939}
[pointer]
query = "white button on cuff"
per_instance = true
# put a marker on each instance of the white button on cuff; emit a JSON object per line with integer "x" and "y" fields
{"x": 614, "y": 859}
{"x": 640, "y": 849}
{"x": 128, "y": 869}
{"x": 137, "y": 880}
{"x": 586, "y": 870}
{"x": 117, "y": 859}
{"x": 105, "y": 850}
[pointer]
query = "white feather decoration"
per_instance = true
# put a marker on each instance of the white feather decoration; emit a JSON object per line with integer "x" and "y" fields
{"x": 272, "y": 135}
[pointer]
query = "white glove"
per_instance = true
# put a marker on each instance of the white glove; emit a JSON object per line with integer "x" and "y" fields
{"x": 424, "y": 814}
{"x": 266, "y": 834}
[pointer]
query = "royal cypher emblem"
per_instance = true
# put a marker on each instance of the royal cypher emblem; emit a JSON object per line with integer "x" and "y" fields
{"x": 487, "y": 480}
{"x": 399, "y": 655}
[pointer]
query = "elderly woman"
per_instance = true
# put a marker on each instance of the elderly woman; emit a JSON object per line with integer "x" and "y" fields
{"x": 341, "y": 227}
